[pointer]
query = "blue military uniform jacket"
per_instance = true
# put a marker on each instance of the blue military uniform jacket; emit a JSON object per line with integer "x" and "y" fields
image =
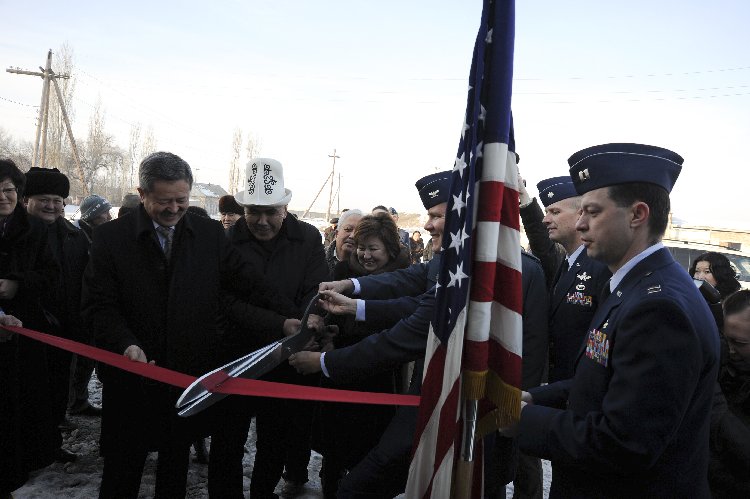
{"x": 638, "y": 407}
{"x": 574, "y": 295}
{"x": 574, "y": 299}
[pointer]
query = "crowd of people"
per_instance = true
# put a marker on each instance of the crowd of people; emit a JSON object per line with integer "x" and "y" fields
{"x": 631, "y": 386}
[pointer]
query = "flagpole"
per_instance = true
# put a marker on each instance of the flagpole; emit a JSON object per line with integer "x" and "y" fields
{"x": 465, "y": 466}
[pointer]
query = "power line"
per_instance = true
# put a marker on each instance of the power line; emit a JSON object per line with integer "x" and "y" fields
{"x": 16, "y": 102}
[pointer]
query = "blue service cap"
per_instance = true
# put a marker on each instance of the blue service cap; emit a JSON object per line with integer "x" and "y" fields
{"x": 433, "y": 189}
{"x": 556, "y": 189}
{"x": 614, "y": 164}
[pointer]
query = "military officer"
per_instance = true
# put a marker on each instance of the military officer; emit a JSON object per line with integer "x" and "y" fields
{"x": 636, "y": 417}
{"x": 574, "y": 280}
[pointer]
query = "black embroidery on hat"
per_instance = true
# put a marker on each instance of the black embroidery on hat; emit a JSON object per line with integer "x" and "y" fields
{"x": 251, "y": 180}
{"x": 268, "y": 180}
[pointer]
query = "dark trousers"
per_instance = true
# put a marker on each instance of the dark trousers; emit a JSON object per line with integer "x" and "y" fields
{"x": 283, "y": 430}
{"x": 81, "y": 369}
{"x": 121, "y": 477}
{"x": 528, "y": 483}
{"x": 384, "y": 470}
{"x": 58, "y": 366}
{"x": 225, "y": 473}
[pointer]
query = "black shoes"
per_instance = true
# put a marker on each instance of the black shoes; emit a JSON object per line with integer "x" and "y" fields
{"x": 67, "y": 425}
{"x": 65, "y": 456}
{"x": 89, "y": 411}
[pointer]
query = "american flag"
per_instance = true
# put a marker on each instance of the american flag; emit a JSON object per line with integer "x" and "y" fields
{"x": 473, "y": 356}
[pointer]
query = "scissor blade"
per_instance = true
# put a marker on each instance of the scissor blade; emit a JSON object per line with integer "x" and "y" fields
{"x": 207, "y": 398}
{"x": 198, "y": 395}
{"x": 211, "y": 380}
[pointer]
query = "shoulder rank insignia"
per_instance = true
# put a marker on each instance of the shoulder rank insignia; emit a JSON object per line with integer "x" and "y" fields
{"x": 584, "y": 277}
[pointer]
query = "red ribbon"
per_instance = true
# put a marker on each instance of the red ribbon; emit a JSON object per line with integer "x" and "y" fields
{"x": 234, "y": 386}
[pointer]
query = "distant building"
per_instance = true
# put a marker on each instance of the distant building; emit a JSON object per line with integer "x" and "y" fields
{"x": 207, "y": 197}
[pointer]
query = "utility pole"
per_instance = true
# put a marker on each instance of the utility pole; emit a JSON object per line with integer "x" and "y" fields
{"x": 330, "y": 194}
{"x": 41, "y": 127}
{"x": 338, "y": 197}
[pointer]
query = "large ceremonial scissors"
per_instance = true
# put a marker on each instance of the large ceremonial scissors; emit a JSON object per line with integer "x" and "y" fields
{"x": 200, "y": 394}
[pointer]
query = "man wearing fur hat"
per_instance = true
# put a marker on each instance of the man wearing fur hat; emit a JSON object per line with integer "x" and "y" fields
{"x": 230, "y": 211}
{"x": 290, "y": 254}
{"x": 44, "y": 197}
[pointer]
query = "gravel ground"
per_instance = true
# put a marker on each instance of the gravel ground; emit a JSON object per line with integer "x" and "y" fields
{"x": 80, "y": 480}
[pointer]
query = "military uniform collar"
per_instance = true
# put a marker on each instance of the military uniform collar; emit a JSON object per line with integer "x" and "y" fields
{"x": 618, "y": 276}
{"x": 574, "y": 256}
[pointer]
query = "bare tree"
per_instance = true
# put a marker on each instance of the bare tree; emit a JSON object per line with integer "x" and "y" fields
{"x": 58, "y": 147}
{"x": 253, "y": 147}
{"x": 134, "y": 157}
{"x": 149, "y": 142}
{"x": 100, "y": 153}
{"x": 18, "y": 151}
{"x": 234, "y": 167}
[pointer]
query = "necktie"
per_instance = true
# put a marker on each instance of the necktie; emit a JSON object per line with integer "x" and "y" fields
{"x": 167, "y": 234}
{"x": 564, "y": 266}
{"x": 605, "y": 293}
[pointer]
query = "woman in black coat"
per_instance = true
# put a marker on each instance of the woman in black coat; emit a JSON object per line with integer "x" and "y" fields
{"x": 29, "y": 438}
{"x": 729, "y": 468}
{"x": 349, "y": 431}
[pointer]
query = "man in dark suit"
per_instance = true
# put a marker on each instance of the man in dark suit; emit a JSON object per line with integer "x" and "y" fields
{"x": 574, "y": 280}
{"x": 152, "y": 293}
{"x": 636, "y": 416}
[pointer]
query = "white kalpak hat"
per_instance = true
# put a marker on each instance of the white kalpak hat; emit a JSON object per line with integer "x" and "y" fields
{"x": 264, "y": 184}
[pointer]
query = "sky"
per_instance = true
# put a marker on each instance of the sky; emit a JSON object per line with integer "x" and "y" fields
{"x": 384, "y": 84}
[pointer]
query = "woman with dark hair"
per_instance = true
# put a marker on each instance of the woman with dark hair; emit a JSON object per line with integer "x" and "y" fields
{"x": 729, "y": 468}
{"x": 715, "y": 269}
{"x": 29, "y": 438}
{"x": 349, "y": 431}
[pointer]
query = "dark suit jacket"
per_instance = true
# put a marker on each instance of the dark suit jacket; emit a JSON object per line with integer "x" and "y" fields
{"x": 574, "y": 300}
{"x": 638, "y": 407}
{"x": 133, "y": 296}
{"x": 535, "y": 332}
{"x": 574, "y": 296}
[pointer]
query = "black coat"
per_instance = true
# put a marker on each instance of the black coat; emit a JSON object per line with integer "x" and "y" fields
{"x": 28, "y": 433}
{"x": 295, "y": 264}
{"x": 729, "y": 469}
{"x": 74, "y": 245}
{"x": 133, "y": 296}
{"x": 350, "y": 430}
{"x": 636, "y": 422}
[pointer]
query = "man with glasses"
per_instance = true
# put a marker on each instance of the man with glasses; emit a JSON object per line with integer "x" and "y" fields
{"x": 44, "y": 197}
{"x": 289, "y": 253}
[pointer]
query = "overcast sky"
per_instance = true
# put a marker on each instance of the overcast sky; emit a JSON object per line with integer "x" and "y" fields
{"x": 384, "y": 83}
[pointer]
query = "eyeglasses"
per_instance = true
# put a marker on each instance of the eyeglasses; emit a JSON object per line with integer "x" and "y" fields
{"x": 255, "y": 214}
{"x": 8, "y": 191}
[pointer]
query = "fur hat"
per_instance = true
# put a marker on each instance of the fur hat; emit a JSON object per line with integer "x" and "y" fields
{"x": 93, "y": 206}
{"x": 227, "y": 204}
{"x": 46, "y": 181}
